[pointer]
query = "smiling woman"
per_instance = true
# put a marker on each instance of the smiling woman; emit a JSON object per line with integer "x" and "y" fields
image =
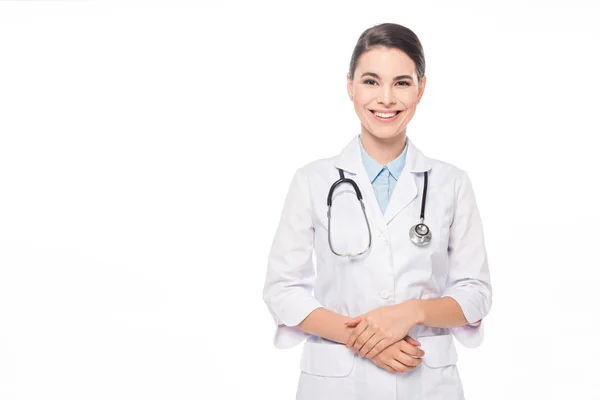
{"x": 395, "y": 299}
{"x": 386, "y": 82}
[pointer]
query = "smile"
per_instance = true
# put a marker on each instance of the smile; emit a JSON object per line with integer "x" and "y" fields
{"x": 385, "y": 116}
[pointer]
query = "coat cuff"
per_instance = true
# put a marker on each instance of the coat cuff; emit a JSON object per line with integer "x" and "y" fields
{"x": 290, "y": 314}
{"x": 294, "y": 309}
{"x": 469, "y": 307}
{"x": 470, "y": 335}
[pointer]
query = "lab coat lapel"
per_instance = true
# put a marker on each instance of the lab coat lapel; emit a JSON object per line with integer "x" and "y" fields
{"x": 349, "y": 160}
{"x": 406, "y": 187}
{"x": 371, "y": 204}
{"x": 404, "y": 193}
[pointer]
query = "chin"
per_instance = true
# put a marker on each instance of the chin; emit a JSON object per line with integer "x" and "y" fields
{"x": 385, "y": 135}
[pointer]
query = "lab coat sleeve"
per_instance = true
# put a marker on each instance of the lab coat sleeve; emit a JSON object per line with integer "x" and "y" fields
{"x": 468, "y": 277}
{"x": 290, "y": 272}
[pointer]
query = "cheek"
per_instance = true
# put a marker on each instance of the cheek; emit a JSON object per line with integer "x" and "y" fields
{"x": 360, "y": 106}
{"x": 361, "y": 101}
{"x": 362, "y": 97}
{"x": 358, "y": 109}
{"x": 409, "y": 100}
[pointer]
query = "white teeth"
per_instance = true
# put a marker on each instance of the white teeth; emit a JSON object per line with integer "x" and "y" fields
{"x": 384, "y": 115}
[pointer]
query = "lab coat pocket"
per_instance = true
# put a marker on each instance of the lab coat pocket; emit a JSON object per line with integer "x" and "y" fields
{"x": 439, "y": 375}
{"x": 439, "y": 350}
{"x": 324, "y": 359}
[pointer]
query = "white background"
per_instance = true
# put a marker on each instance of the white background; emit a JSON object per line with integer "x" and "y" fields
{"x": 146, "y": 149}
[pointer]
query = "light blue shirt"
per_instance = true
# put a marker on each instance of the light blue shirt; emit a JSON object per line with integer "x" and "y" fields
{"x": 383, "y": 178}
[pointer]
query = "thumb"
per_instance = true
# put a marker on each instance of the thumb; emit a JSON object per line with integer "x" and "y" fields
{"x": 411, "y": 341}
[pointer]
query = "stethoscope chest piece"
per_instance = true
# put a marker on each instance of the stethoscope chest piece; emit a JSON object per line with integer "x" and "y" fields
{"x": 420, "y": 234}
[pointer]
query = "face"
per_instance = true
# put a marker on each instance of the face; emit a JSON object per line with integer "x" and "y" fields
{"x": 385, "y": 92}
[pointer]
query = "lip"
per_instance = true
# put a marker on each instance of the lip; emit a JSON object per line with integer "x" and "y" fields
{"x": 385, "y": 120}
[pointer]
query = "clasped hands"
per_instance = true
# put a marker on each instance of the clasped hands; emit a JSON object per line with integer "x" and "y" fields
{"x": 381, "y": 335}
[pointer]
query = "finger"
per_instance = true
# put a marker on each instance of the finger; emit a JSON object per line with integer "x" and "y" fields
{"x": 407, "y": 360}
{"x": 398, "y": 366}
{"x": 362, "y": 339}
{"x": 356, "y": 332}
{"x": 371, "y": 343}
{"x": 410, "y": 349}
{"x": 411, "y": 341}
{"x": 382, "y": 345}
{"x": 383, "y": 365}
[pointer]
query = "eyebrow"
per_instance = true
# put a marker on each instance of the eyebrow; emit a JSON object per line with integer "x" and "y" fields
{"x": 399, "y": 77}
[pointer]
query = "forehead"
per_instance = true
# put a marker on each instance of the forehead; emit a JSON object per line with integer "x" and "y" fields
{"x": 385, "y": 61}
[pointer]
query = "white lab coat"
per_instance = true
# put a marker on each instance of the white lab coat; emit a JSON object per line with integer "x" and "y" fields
{"x": 394, "y": 270}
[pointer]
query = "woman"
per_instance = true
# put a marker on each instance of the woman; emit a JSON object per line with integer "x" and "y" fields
{"x": 389, "y": 294}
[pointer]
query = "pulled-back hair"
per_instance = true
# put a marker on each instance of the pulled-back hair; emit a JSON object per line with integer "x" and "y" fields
{"x": 391, "y": 36}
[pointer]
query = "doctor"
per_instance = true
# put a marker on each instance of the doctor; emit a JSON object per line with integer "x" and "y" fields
{"x": 379, "y": 311}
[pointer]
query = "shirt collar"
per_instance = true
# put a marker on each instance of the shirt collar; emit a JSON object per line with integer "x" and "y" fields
{"x": 373, "y": 168}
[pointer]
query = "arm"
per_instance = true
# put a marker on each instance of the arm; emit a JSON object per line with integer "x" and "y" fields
{"x": 326, "y": 324}
{"x": 394, "y": 321}
{"x": 468, "y": 282}
{"x": 439, "y": 313}
{"x": 290, "y": 274}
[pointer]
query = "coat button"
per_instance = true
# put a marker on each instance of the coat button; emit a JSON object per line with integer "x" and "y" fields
{"x": 384, "y": 294}
{"x": 381, "y": 235}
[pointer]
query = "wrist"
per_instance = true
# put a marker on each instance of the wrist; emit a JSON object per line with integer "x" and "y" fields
{"x": 417, "y": 311}
{"x": 410, "y": 310}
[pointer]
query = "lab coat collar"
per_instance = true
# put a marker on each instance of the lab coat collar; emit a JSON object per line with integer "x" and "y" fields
{"x": 405, "y": 191}
{"x": 350, "y": 159}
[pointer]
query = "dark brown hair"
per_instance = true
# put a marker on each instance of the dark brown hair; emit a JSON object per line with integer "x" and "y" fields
{"x": 391, "y": 36}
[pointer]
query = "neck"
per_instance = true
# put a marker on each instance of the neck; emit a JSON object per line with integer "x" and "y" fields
{"x": 383, "y": 150}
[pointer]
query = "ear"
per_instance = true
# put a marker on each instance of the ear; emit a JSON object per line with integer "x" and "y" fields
{"x": 422, "y": 87}
{"x": 350, "y": 87}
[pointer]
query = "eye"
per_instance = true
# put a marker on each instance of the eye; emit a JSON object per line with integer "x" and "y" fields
{"x": 404, "y": 83}
{"x": 369, "y": 81}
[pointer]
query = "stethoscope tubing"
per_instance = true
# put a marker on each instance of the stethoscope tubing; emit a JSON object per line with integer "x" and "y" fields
{"x": 419, "y": 234}
{"x": 340, "y": 181}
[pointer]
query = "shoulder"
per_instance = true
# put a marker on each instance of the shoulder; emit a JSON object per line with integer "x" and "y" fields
{"x": 450, "y": 177}
{"x": 316, "y": 167}
{"x": 309, "y": 177}
{"x": 445, "y": 170}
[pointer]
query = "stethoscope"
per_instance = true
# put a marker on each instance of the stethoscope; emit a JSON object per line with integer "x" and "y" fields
{"x": 419, "y": 234}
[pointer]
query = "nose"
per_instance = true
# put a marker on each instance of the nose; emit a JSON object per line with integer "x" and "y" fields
{"x": 387, "y": 97}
